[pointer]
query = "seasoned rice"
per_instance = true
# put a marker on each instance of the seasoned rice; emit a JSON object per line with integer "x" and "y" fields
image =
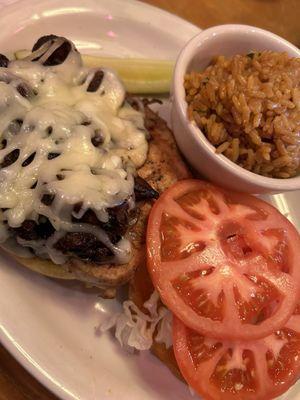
{"x": 248, "y": 107}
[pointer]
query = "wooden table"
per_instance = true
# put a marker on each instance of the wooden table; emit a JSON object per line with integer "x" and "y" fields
{"x": 279, "y": 16}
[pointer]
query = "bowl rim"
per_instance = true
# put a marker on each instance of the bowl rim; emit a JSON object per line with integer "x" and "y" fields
{"x": 178, "y": 97}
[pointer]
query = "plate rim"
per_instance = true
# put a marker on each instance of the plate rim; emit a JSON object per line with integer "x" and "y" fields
{"x": 6, "y": 339}
{"x": 17, "y": 4}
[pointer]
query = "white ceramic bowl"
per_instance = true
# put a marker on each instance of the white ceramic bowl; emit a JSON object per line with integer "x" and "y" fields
{"x": 225, "y": 40}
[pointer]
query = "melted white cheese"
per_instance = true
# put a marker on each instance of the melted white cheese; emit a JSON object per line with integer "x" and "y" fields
{"x": 62, "y": 117}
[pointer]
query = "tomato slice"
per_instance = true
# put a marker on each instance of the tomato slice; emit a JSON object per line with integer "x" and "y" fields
{"x": 224, "y": 370}
{"x": 224, "y": 263}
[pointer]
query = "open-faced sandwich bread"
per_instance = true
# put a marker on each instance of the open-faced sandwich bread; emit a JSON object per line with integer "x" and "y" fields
{"x": 81, "y": 163}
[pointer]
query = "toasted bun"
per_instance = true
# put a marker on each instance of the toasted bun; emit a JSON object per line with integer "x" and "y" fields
{"x": 106, "y": 277}
{"x": 163, "y": 167}
{"x": 44, "y": 267}
{"x": 140, "y": 290}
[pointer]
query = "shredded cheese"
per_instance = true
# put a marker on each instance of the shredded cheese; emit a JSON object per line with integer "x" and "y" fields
{"x": 136, "y": 330}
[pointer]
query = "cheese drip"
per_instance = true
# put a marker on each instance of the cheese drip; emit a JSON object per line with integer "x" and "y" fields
{"x": 70, "y": 138}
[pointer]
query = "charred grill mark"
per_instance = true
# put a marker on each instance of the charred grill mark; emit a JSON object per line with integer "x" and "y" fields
{"x": 31, "y": 230}
{"x": 96, "y": 81}
{"x": 27, "y": 230}
{"x": 3, "y": 144}
{"x": 59, "y": 55}
{"x": 49, "y": 130}
{"x": 143, "y": 191}
{"x": 28, "y": 160}
{"x": 85, "y": 246}
{"x": 51, "y": 156}
{"x": 119, "y": 218}
{"x": 44, "y": 228}
{"x": 4, "y": 61}
{"x": 77, "y": 207}
{"x": 117, "y": 224}
{"x": 25, "y": 91}
{"x": 98, "y": 138}
{"x": 60, "y": 177}
{"x": 133, "y": 102}
{"x": 47, "y": 199}
{"x": 86, "y": 123}
{"x": 10, "y": 158}
{"x": 42, "y": 40}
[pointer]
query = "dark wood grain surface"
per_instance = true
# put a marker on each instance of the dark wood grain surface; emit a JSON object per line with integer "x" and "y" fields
{"x": 279, "y": 16}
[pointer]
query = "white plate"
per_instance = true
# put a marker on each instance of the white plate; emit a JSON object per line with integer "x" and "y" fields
{"x": 50, "y": 327}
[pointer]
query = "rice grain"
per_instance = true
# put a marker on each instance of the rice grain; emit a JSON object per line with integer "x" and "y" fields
{"x": 248, "y": 107}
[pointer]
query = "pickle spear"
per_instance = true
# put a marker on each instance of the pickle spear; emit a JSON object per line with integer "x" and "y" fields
{"x": 138, "y": 75}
